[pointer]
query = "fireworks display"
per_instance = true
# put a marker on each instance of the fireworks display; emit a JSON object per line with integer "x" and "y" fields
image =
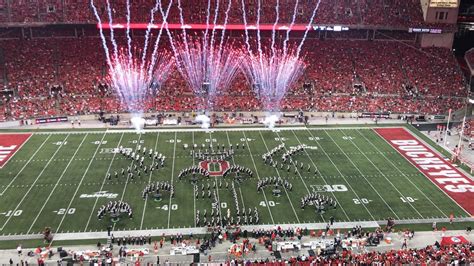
{"x": 207, "y": 62}
{"x": 134, "y": 75}
{"x": 132, "y": 81}
{"x": 272, "y": 72}
{"x": 207, "y": 69}
{"x": 271, "y": 75}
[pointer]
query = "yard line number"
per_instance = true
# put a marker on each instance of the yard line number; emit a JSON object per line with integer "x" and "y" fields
{"x": 13, "y": 213}
{"x": 174, "y": 207}
{"x": 361, "y": 201}
{"x": 63, "y": 211}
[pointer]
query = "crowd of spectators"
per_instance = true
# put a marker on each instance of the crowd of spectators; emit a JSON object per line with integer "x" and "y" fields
{"x": 462, "y": 254}
{"x": 341, "y": 75}
{"x": 393, "y": 13}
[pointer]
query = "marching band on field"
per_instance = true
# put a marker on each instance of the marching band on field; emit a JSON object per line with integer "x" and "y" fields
{"x": 138, "y": 165}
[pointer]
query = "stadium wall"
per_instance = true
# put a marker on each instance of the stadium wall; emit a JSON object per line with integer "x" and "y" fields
{"x": 444, "y": 40}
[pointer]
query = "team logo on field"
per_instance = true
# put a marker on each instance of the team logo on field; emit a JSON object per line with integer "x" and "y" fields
{"x": 215, "y": 167}
{"x": 99, "y": 194}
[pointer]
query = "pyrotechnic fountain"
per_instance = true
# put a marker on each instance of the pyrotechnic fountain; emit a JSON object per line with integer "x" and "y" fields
{"x": 135, "y": 80}
{"x": 273, "y": 71}
{"x": 205, "y": 65}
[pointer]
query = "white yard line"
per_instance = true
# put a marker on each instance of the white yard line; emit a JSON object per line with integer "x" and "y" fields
{"x": 241, "y": 198}
{"x": 233, "y": 161}
{"x": 215, "y": 180}
{"x": 258, "y": 176}
{"x": 401, "y": 172}
{"x": 149, "y": 181}
{"x": 80, "y": 183}
{"x": 388, "y": 180}
{"x": 297, "y": 170}
{"x": 131, "y": 165}
{"x": 319, "y": 173}
{"x": 33, "y": 185}
{"x": 365, "y": 178}
{"x": 103, "y": 183}
{"x": 196, "y": 129}
{"x": 284, "y": 188}
{"x": 172, "y": 177}
{"x": 341, "y": 175}
{"x": 56, "y": 185}
{"x": 25, "y": 165}
{"x": 194, "y": 185}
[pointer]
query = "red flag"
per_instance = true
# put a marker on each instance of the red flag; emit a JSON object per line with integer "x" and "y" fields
{"x": 453, "y": 240}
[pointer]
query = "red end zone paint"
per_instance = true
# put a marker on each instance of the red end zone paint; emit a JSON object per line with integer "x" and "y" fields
{"x": 9, "y": 144}
{"x": 449, "y": 179}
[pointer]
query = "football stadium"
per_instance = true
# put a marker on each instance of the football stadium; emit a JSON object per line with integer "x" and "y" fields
{"x": 236, "y": 132}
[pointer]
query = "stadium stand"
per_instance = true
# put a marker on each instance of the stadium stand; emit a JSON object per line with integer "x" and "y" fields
{"x": 393, "y": 13}
{"x": 396, "y": 77}
{"x": 456, "y": 254}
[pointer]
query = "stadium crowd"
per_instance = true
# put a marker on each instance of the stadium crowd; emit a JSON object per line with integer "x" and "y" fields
{"x": 346, "y": 76}
{"x": 462, "y": 254}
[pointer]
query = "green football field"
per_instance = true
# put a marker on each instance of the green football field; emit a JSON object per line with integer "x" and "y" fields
{"x": 54, "y": 180}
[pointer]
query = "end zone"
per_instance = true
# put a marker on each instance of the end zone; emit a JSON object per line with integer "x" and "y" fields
{"x": 442, "y": 173}
{"x": 10, "y": 144}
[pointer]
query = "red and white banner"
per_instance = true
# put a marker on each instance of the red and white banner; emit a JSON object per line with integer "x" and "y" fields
{"x": 441, "y": 172}
{"x": 9, "y": 144}
{"x": 453, "y": 240}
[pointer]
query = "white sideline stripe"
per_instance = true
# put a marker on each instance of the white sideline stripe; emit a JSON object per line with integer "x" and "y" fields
{"x": 400, "y": 171}
{"x": 149, "y": 180}
{"x": 203, "y": 230}
{"x": 173, "y": 231}
{"x": 319, "y": 173}
{"x": 103, "y": 183}
{"x": 442, "y": 156}
{"x": 8, "y": 159}
{"x": 238, "y": 129}
{"x": 296, "y": 167}
{"x": 24, "y": 166}
{"x": 56, "y": 185}
{"x": 368, "y": 182}
{"x": 34, "y": 182}
{"x": 172, "y": 176}
{"x": 79, "y": 186}
{"x": 378, "y": 169}
{"x": 341, "y": 175}
{"x": 258, "y": 176}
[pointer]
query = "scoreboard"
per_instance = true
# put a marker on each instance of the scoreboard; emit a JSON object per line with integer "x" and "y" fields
{"x": 444, "y": 3}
